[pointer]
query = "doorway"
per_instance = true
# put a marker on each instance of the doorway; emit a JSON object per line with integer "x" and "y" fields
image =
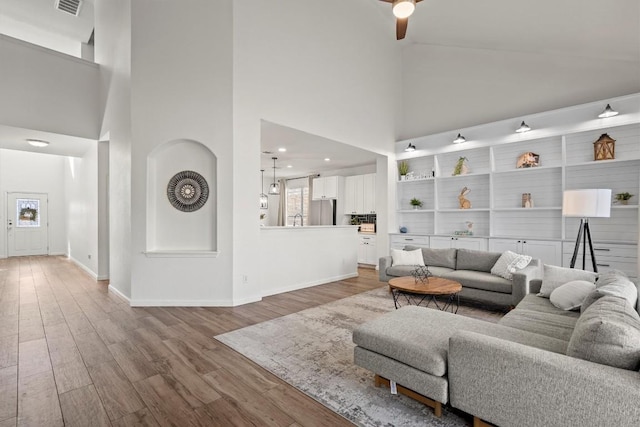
{"x": 27, "y": 224}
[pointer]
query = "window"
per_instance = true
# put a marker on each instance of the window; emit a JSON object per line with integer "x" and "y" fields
{"x": 28, "y": 213}
{"x": 297, "y": 201}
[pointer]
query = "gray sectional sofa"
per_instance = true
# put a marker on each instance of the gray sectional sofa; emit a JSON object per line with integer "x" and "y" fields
{"x": 523, "y": 371}
{"x": 472, "y": 269}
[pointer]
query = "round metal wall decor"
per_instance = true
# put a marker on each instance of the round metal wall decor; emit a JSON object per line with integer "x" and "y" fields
{"x": 187, "y": 191}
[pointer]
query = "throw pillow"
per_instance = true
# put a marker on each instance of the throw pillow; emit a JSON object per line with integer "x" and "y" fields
{"x": 615, "y": 284}
{"x": 570, "y": 295}
{"x": 508, "y": 263}
{"x": 401, "y": 257}
{"x": 608, "y": 332}
{"x": 556, "y": 276}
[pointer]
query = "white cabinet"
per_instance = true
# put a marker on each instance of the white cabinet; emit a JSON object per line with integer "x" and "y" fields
{"x": 325, "y": 188}
{"x": 402, "y": 240}
{"x": 549, "y": 252}
{"x": 609, "y": 256}
{"x": 359, "y": 193}
{"x": 367, "y": 253}
{"x": 444, "y": 242}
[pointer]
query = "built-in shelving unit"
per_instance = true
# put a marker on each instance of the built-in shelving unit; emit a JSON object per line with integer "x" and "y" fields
{"x": 496, "y": 188}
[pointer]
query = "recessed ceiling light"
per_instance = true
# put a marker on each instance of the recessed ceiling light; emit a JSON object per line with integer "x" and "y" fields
{"x": 289, "y": 166}
{"x": 608, "y": 112}
{"x": 282, "y": 149}
{"x": 459, "y": 139}
{"x": 327, "y": 159}
{"x": 523, "y": 128}
{"x": 410, "y": 148}
{"x": 38, "y": 142}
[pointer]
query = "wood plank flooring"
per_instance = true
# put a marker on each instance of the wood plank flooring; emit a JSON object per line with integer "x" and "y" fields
{"x": 73, "y": 354}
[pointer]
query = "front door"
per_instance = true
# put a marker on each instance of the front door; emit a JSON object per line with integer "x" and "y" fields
{"x": 27, "y": 225}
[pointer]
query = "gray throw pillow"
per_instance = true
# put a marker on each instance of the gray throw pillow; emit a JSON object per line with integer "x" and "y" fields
{"x": 570, "y": 295}
{"x": 608, "y": 332}
{"x": 556, "y": 276}
{"x": 615, "y": 284}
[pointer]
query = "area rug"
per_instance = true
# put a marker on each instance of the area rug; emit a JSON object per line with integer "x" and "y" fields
{"x": 312, "y": 350}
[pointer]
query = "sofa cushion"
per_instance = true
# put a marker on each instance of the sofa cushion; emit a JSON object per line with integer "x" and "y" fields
{"x": 613, "y": 283}
{"x": 547, "y": 324}
{"x": 468, "y": 259}
{"x": 402, "y": 257}
{"x": 508, "y": 263}
{"x": 608, "y": 332}
{"x": 555, "y": 276}
{"x": 571, "y": 295}
{"x": 437, "y": 257}
{"x": 426, "y": 347}
{"x": 532, "y": 302}
{"x": 405, "y": 270}
{"x": 480, "y": 280}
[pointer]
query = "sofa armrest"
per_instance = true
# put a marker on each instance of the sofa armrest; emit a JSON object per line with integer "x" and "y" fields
{"x": 521, "y": 279}
{"x": 511, "y": 384}
{"x": 384, "y": 263}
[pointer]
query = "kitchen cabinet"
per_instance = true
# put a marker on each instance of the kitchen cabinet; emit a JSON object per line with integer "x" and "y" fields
{"x": 360, "y": 196}
{"x": 325, "y": 187}
{"x": 444, "y": 242}
{"x": 549, "y": 252}
{"x": 367, "y": 253}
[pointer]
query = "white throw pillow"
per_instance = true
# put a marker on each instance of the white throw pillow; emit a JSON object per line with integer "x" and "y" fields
{"x": 401, "y": 257}
{"x": 571, "y": 295}
{"x": 508, "y": 263}
{"x": 556, "y": 276}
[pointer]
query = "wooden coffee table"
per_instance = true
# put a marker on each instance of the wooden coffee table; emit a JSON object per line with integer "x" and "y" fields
{"x": 406, "y": 291}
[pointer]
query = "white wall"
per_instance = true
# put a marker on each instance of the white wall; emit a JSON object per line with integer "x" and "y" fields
{"x": 113, "y": 53}
{"x": 324, "y": 67}
{"x": 48, "y": 91}
{"x": 22, "y": 171}
{"x": 449, "y": 88}
{"x": 81, "y": 184}
{"x": 181, "y": 86}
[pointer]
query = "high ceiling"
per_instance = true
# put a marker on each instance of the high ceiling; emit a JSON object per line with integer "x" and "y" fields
{"x": 595, "y": 29}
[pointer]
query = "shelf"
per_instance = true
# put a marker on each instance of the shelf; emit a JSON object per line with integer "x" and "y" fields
{"x": 465, "y": 210}
{"x": 415, "y": 211}
{"x": 525, "y": 170}
{"x": 624, "y": 206}
{"x": 527, "y": 209}
{"x": 415, "y": 180}
{"x": 463, "y": 176}
{"x": 600, "y": 162}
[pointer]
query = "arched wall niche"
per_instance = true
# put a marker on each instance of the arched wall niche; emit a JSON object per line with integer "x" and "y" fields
{"x": 169, "y": 229}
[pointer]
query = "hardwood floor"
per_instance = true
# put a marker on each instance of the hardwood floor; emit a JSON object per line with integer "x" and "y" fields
{"x": 73, "y": 354}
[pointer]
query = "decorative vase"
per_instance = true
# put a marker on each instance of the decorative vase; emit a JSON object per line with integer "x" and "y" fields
{"x": 403, "y": 177}
{"x": 624, "y": 202}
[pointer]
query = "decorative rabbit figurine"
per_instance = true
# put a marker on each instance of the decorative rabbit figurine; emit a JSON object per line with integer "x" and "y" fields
{"x": 464, "y": 202}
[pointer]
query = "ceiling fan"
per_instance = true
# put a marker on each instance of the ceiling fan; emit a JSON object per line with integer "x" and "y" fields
{"x": 402, "y": 9}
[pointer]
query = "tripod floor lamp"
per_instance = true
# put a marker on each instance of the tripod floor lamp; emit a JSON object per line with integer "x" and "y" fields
{"x": 585, "y": 204}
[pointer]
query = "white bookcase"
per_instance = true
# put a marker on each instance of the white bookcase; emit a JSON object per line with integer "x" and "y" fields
{"x": 496, "y": 187}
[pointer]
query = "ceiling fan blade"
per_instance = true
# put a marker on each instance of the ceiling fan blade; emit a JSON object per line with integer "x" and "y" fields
{"x": 401, "y": 28}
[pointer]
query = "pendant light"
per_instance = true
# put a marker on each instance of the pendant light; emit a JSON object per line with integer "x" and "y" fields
{"x": 274, "y": 188}
{"x": 264, "y": 200}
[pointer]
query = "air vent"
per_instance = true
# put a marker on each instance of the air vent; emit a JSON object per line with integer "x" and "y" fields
{"x": 71, "y": 7}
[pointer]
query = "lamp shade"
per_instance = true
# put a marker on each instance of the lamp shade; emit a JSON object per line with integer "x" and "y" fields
{"x": 591, "y": 203}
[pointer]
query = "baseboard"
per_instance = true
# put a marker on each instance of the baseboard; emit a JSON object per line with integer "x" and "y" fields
{"x": 309, "y": 284}
{"x": 84, "y": 267}
{"x": 181, "y": 303}
{"x": 120, "y": 294}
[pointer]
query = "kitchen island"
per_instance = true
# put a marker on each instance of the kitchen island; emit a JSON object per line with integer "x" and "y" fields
{"x": 298, "y": 257}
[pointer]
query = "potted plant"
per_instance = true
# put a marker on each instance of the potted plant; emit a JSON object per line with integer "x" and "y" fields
{"x": 403, "y": 168}
{"x": 416, "y": 203}
{"x": 623, "y": 198}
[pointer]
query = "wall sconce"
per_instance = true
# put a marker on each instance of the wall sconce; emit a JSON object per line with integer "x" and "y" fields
{"x": 608, "y": 112}
{"x": 523, "y": 128}
{"x": 459, "y": 139}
